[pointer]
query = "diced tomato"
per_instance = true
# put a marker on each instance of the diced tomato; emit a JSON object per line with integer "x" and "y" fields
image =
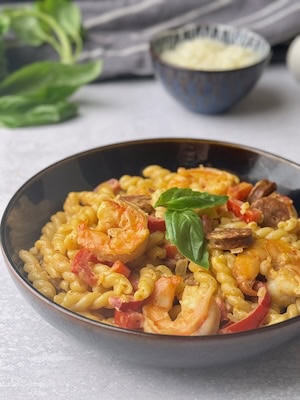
{"x": 240, "y": 191}
{"x": 127, "y": 304}
{"x": 171, "y": 251}
{"x": 254, "y": 319}
{"x": 81, "y": 267}
{"x": 250, "y": 215}
{"x": 156, "y": 224}
{"x": 129, "y": 320}
{"x": 120, "y": 268}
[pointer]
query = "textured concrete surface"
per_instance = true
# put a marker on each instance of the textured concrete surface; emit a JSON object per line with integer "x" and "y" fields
{"x": 36, "y": 361}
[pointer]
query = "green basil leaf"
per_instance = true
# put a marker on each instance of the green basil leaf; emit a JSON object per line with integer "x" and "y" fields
{"x": 185, "y": 230}
{"x": 49, "y": 75}
{"x": 4, "y": 27}
{"x": 38, "y": 114}
{"x": 18, "y": 103}
{"x": 3, "y": 60}
{"x": 66, "y": 13}
{"x": 5, "y": 22}
{"x": 69, "y": 18}
{"x": 27, "y": 28}
{"x": 14, "y": 104}
{"x": 182, "y": 199}
{"x": 28, "y": 24}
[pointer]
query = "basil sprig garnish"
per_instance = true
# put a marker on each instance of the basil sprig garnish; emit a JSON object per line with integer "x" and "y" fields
{"x": 184, "y": 227}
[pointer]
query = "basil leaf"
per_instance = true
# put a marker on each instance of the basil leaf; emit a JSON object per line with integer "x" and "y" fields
{"x": 27, "y": 28}
{"x": 37, "y": 94}
{"x": 182, "y": 199}
{"x": 67, "y": 15}
{"x": 185, "y": 230}
{"x": 49, "y": 75}
{"x": 16, "y": 103}
{"x": 3, "y": 61}
{"x": 4, "y": 23}
{"x": 65, "y": 12}
{"x": 10, "y": 104}
{"x": 4, "y": 27}
{"x": 38, "y": 114}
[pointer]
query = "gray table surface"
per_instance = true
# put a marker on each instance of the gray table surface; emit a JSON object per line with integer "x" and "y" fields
{"x": 36, "y": 361}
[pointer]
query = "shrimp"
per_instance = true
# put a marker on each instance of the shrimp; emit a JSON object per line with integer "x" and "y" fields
{"x": 206, "y": 179}
{"x": 121, "y": 233}
{"x": 278, "y": 261}
{"x": 199, "y": 314}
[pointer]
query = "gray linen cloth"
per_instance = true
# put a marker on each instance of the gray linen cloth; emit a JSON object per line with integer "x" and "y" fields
{"x": 118, "y": 31}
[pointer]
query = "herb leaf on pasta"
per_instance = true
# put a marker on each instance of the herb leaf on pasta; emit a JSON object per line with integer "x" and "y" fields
{"x": 185, "y": 230}
{"x": 182, "y": 199}
{"x": 183, "y": 225}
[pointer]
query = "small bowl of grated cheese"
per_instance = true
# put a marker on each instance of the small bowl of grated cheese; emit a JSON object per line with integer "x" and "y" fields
{"x": 209, "y": 69}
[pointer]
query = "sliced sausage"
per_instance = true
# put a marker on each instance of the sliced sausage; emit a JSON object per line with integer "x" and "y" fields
{"x": 209, "y": 224}
{"x": 275, "y": 208}
{"x": 141, "y": 201}
{"x": 230, "y": 238}
{"x": 261, "y": 189}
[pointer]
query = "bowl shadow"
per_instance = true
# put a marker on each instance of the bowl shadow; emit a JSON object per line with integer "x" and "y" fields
{"x": 260, "y": 100}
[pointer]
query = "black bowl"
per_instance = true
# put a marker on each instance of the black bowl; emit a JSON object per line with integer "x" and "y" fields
{"x": 43, "y": 195}
{"x": 208, "y": 92}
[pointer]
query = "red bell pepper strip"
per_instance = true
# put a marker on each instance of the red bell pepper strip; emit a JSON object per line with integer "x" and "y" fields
{"x": 81, "y": 267}
{"x": 128, "y": 304}
{"x": 254, "y": 319}
{"x": 156, "y": 224}
{"x": 250, "y": 215}
{"x": 129, "y": 320}
{"x": 240, "y": 191}
{"x": 120, "y": 268}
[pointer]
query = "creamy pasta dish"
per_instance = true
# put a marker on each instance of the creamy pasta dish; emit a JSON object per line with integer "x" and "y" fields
{"x": 190, "y": 252}
{"x": 210, "y": 55}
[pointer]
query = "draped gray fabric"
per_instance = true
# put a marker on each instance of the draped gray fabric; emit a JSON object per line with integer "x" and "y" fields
{"x": 118, "y": 31}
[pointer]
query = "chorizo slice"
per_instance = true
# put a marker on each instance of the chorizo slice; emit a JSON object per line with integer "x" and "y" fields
{"x": 209, "y": 224}
{"x": 275, "y": 208}
{"x": 261, "y": 189}
{"x": 230, "y": 238}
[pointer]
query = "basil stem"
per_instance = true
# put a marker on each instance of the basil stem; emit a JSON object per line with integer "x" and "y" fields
{"x": 64, "y": 49}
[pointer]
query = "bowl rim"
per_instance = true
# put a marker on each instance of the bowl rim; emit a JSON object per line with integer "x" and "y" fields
{"x": 192, "y": 26}
{"x": 15, "y": 271}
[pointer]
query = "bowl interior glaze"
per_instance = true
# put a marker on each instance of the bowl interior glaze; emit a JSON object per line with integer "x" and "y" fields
{"x": 42, "y": 195}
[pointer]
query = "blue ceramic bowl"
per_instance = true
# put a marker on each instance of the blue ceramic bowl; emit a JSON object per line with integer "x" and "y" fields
{"x": 208, "y": 92}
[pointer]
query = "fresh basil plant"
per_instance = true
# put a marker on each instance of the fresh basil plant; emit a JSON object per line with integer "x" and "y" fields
{"x": 38, "y": 93}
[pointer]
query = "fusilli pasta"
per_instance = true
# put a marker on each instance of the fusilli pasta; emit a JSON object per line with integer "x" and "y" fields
{"x": 214, "y": 256}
